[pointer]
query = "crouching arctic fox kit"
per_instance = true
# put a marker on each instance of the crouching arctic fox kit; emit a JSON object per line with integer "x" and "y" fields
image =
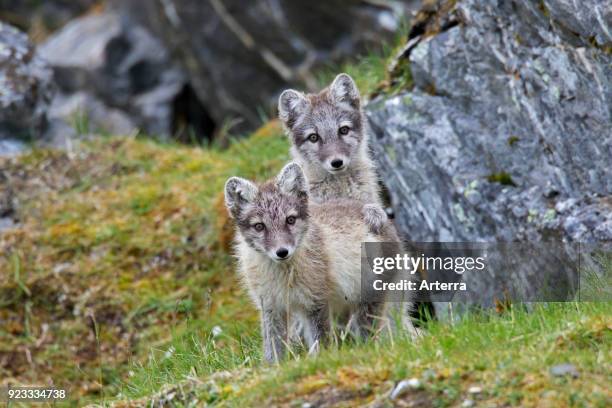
{"x": 301, "y": 260}
{"x": 329, "y": 140}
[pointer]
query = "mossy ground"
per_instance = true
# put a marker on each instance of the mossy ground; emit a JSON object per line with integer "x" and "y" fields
{"x": 506, "y": 357}
{"x": 122, "y": 245}
{"x": 120, "y": 271}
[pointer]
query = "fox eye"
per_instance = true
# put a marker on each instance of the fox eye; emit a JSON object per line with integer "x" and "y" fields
{"x": 259, "y": 227}
{"x": 291, "y": 220}
{"x": 344, "y": 130}
{"x": 313, "y": 137}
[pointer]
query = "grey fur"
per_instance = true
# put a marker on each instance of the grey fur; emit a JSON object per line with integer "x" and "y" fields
{"x": 324, "y": 114}
{"x": 322, "y": 273}
{"x": 375, "y": 217}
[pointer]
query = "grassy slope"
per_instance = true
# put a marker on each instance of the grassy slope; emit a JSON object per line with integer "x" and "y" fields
{"x": 507, "y": 356}
{"x": 123, "y": 246}
{"x": 120, "y": 271}
{"x": 122, "y": 250}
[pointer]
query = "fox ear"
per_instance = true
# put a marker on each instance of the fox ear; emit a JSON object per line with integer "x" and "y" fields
{"x": 291, "y": 180}
{"x": 291, "y": 104}
{"x": 344, "y": 90}
{"x": 238, "y": 192}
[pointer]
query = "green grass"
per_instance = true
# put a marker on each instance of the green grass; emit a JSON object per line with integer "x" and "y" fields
{"x": 122, "y": 245}
{"x": 508, "y": 356}
{"x": 370, "y": 71}
{"x": 123, "y": 248}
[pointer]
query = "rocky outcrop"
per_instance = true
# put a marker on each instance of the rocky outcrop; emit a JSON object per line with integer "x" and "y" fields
{"x": 25, "y": 89}
{"x": 239, "y": 55}
{"x": 506, "y": 133}
{"x": 115, "y": 71}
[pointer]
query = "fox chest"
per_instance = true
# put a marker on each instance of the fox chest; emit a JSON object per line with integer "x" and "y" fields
{"x": 342, "y": 188}
{"x": 281, "y": 290}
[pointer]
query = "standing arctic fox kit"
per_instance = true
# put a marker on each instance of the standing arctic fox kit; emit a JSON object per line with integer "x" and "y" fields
{"x": 329, "y": 140}
{"x": 301, "y": 260}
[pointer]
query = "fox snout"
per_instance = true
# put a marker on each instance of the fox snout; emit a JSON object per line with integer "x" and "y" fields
{"x": 281, "y": 253}
{"x": 337, "y": 164}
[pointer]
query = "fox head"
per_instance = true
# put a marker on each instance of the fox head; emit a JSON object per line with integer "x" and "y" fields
{"x": 326, "y": 129}
{"x": 272, "y": 218}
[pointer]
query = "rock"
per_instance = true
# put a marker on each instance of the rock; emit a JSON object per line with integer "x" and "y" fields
{"x": 240, "y": 55}
{"x": 116, "y": 71}
{"x": 89, "y": 114}
{"x": 7, "y": 203}
{"x": 216, "y": 331}
{"x": 563, "y": 370}
{"x": 11, "y": 147}
{"x": 474, "y": 390}
{"x": 467, "y": 403}
{"x": 590, "y": 19}
{"x": 39, "y": 18}
{"x": 26, "y": 89}
{"x": 508, "y": 120}
{"x": 404, "y": 386}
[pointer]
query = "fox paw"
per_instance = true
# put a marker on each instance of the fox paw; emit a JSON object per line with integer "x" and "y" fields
{"x": 374, "y": 217}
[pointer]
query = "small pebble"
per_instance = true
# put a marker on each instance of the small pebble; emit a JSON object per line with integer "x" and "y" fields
{"x": 474, "y": 390}
{"x": 307, "y": 405}
{"x": 216, "y": 331}
{"x": 467, "y": 403}
{"x": 561, "y": 370}
{"x": 414, "y": 383}
{"x": 403, "y": 386}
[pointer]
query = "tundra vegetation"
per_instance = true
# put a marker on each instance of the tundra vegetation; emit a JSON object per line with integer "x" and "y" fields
{"x": 118, "y": 284}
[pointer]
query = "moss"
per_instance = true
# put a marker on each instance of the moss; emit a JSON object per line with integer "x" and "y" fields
{"x": 512, "y": 140}
{"x": 125, "y": 232}
{"x": 501, "y": 178}
{"x": 543, "y": 8}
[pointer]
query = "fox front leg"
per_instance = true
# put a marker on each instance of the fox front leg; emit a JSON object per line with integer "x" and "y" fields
{"x": 366, "y": 318}
{"x": 317, "y": 328}
{"x": 274, "y": 333}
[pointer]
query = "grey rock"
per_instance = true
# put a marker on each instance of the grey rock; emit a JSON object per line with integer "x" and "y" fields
{"x": 240, "y": 55}
{"x": 119, "y": 64}
{"x": 25, "y": 88}
{"x": 11, "y": 147}
{"x": 507, "y": 133}
{"x": 88, "y": 114}
{"x": 474, "y": 389}
{"x": 591, "y": 19}
{"x": 7, "y": 223}
{"x": 7, "y": 203}
{"x": 562, "y": 370}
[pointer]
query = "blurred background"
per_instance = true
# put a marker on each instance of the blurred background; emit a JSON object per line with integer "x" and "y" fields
{"x": 189, "y": 70}
{"x": 121, "y": 120}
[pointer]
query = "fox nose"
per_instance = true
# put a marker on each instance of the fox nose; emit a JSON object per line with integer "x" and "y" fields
{"x": 282, "y": 253}
{"x": 337, "y": 163}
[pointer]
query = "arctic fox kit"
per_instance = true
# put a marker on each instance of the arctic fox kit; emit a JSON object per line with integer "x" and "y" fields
{"x": 301, "y": 260}
{"x": 329, "y": 140}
